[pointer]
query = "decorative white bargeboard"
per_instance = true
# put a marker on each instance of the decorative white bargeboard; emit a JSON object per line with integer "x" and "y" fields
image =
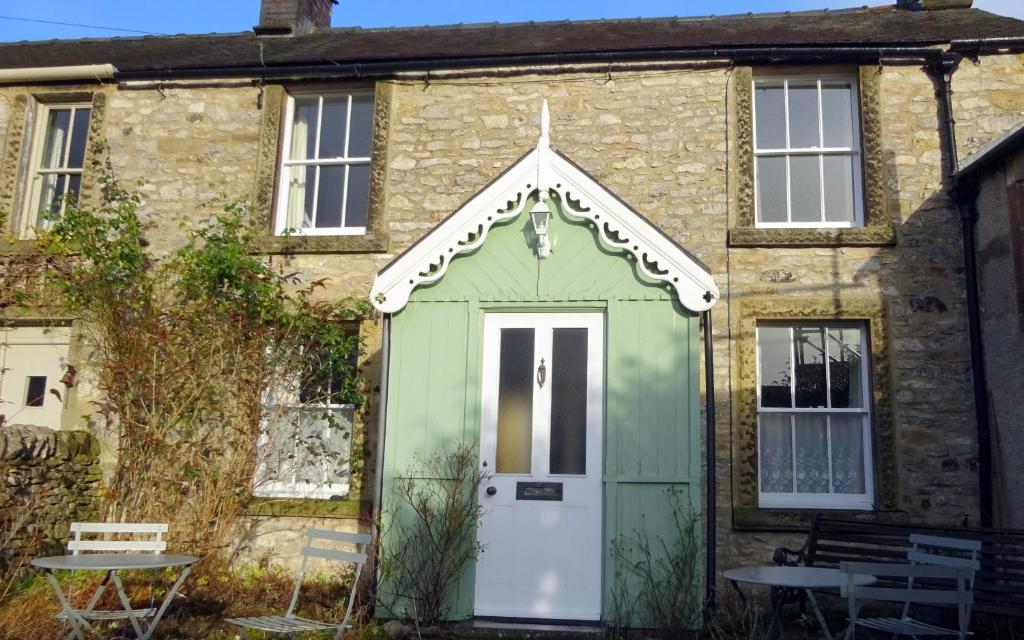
{"x": 544, "y": 171}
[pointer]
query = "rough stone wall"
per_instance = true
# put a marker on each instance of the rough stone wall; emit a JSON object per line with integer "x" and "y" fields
{"x": 988, "y": 99}
{"x": 51, "y": 478}
{"x": 1001, "y": 284}
{"x": 661, "y": 140}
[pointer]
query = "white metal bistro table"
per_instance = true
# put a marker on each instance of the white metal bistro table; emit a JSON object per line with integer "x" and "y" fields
{"x": 804, "y": 579}
{"x": 112, "y": 564}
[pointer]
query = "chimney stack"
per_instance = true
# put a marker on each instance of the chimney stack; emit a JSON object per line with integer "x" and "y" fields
{"x": 293, "y": 17}
{"x": 932, "y": 5}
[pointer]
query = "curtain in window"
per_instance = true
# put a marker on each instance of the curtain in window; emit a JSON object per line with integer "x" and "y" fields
{"x": 302, "y": 178}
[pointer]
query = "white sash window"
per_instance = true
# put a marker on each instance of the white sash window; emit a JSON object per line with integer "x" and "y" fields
{"x": 57, "y": 159}
{"x": 814, "y": 417}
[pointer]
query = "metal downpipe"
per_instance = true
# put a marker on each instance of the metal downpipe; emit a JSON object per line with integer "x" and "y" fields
{"x": 710, "y": 570}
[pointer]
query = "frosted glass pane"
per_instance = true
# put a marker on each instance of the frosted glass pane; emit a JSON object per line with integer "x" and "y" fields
{"x": 837, "y": 118}
{"x": 803, "y": 116}
{"x": 770, "y": 114}
{"x": 845, "y": 367}
{"x": 328, "y": 204}
{"x": 847, "y": 454}
{"x": 361, "y": 138}
{"x": 776, "y": 453}
{"x": 569, "y": 401}
{"x": 838, "y": 188}
{"x": 358, "y": 195}
{"x": 805, "y": 188}
{"x": 304, "y": 128}
{"x": 76, "y": 155}
{"x": 56, "y": 141}
{"x": 809, "y": 366}
{"x": 515, "y": 401}
{"x": 773, "y": 344}
{"x": 810, "y": 436}
{"x": 771, "y": 189}
{"x": 332, "y": 131}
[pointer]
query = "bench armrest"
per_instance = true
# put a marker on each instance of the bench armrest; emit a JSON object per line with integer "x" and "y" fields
{"x": 785, "y": 557}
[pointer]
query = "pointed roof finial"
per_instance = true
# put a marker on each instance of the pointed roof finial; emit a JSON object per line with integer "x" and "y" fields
{"x": 545, "y": 125}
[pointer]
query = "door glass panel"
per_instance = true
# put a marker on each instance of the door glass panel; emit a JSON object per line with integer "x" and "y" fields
{"x": 515, "y": 401}
{"x": 569, "y": 401}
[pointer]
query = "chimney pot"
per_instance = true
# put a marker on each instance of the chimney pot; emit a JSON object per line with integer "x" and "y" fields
{"x": 294, "y": 17}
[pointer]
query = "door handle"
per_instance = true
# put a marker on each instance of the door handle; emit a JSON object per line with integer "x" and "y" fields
{"x": 542, "y": 374}
{"x": 492, "y": 490}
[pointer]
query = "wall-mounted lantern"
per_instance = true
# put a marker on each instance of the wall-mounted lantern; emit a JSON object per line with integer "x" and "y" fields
{"x": 540, "y": 215}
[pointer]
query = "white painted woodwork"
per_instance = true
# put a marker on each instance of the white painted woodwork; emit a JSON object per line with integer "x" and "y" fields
{"x": 541, "y": 559}
{"x": 26, "y": 352}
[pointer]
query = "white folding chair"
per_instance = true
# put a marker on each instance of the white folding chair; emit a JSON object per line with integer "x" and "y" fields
{"x": 115, "y": 537}
{"x": 934, "y": 591}
{"x": 290, "y": 623}
{"x": 943, "y": 552}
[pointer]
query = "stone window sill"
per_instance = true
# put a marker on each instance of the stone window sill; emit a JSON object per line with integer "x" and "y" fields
{"x": 368, "y": 243}
{"x": 870, "y": 236}
{"x": 347, "y": 509}
{"x": 755, "y": 519}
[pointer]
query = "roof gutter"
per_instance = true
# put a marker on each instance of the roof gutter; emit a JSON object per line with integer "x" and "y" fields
{"x": 97, "y": 72}
{"x": 738, "y": 55}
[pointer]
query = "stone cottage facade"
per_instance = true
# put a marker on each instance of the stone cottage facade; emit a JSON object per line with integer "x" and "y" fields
{"x": 804, "y": 160}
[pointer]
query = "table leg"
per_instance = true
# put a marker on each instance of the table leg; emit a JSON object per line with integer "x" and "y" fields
{"x": 127, "y": 606}
{"x": 739, "y": 592}
{"x": 167, "y": 600}
{"x": 78, "y": 623}
{"x": 817, "y": 614}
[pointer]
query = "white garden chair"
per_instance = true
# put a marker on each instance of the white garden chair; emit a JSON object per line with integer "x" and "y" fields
{"x": 115, "y": 537}
{"x": 961, "y": 596}
{"x": 289, "y": 623}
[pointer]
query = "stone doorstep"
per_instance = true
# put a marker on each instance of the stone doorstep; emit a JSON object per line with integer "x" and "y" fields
{"x": 484, "y": 629}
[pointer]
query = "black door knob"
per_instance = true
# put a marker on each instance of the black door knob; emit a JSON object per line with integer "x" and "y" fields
{"x": 492, "y": 490}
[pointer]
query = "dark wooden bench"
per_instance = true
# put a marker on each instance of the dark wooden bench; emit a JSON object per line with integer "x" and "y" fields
{"x": 999, "y": 584}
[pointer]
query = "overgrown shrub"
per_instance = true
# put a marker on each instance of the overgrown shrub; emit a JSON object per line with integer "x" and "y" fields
{"x": 432, "y": 536}
{"x": 658, "y": 584}
{"x": 187, "y": 350}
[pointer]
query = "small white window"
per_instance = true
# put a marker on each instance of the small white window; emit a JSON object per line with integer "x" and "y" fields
{"x": 33, "y": 362}
{"x": 807, "y": 167}
{"x": 305, "y": 445}
{"x": 814, "y": 417}
{"x": 325, "y": 171}
{"x": 56, "y": 160}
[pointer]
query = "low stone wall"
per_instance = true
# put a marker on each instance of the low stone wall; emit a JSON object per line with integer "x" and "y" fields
{"x": 51, "y": 478}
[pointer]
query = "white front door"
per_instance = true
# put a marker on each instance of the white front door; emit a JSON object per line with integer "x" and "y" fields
{"x": 541, "y": 441}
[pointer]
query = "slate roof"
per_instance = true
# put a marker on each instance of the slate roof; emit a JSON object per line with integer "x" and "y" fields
{"x": 877, "y": 26}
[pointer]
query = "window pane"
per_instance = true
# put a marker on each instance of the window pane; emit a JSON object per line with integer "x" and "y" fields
{"x": 361, "y": 138}
{"x": 304, "y": 128}
{"x": 773, "y": 344}
{"x": 74, "y": 185}
{"x": 515, "y": 402}
{"x": 770, "y": 117}
{"x": 771, "y": 189}
{"x": 35, "y": 391}
{"x": 300, "y": 196}
{"x": 847, "y": 453}
{"x": 332, "y": 130}
{"x": 810, "y": 437}
{"x": 79, "y": 135}
{"x": 809, "y": 366}
{"x": 328, "y": 203}
{"x": 805, "y": 188}
{"x": 358, "y": 195}
{"x": 569, "y": 401}
{"x": 838, "y": 188}
{"x": 55, "y": 143}
{"x": 776, "y": 453}
{"x": 803, "y": 116}
{"x": 845, "y": 367}
{"x": 321, "y": 446}
{"x": 837, "y": 116}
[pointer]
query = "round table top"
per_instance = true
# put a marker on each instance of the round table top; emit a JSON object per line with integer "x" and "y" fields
{"x": 112, "y": 561}
{"x": 794, "y": 577}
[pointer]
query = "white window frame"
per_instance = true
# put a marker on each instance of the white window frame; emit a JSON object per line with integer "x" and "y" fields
{"x": 33, "y": 204}
{"x": 283, "y": 488}
{"x": 284, "y": 169}
{"x": 854, "y": 152}
{"x": 853, "y": 501}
